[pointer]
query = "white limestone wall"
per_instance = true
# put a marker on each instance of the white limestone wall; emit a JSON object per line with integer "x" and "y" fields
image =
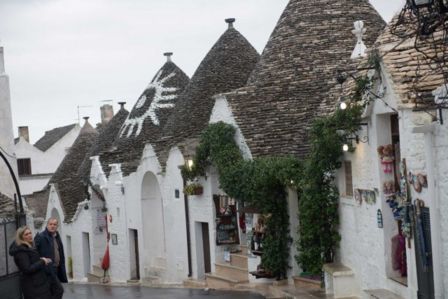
{"x": 6, "y": 133}
{"x": 222, "y": 112}
{"x": 440, "y": 181}
{"x": 117, "y": 221}
{"x": 55, "y": 154}
{"x": 30, "y": 184}
{"x": 43, "y": 164}
{"x": 436, "y": 145}
{"x": 169, "y": 265}
{"x": 175, "y": 223}
{"x": 364, "y": 247}
{"x": 84, "y": 221}
{"x": 202, "y": 210}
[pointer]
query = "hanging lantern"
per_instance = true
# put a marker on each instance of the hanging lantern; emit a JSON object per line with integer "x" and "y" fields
{"x": 379, "y": 218}
{"x": 345, "y": 147}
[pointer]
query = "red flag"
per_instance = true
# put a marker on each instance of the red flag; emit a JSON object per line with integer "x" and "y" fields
{"x": 106, "y": 259}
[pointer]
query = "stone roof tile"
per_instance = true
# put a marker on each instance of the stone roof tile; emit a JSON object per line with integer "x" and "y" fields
{"x": 297, "y": 71}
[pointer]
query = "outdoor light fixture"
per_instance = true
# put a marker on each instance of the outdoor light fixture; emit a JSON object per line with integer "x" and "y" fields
{"x": 348, "y": 144}
{"x": 343, "y": 105}
{"x": 190, "y": 163}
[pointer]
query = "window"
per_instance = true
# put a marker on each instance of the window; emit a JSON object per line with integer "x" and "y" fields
{"x": 348, "y": 178}
{"x": 24, "y": 166}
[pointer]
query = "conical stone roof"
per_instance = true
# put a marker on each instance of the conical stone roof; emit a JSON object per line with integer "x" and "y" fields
{"x": 148, "y": 116}
{"x": 227, "y": 66}
{"x": 310, "y": 43}
{"x": 104, "y": 141}
{"x": 67, "y": 180}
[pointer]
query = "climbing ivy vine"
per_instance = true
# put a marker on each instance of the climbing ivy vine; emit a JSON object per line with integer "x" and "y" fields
{"x": 262, "y": 183}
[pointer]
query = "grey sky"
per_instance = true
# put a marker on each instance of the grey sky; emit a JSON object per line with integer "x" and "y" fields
{"x": 61, "y": 54}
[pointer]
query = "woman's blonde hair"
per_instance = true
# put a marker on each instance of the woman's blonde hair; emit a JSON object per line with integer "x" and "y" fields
{"x": 19, "y": 236}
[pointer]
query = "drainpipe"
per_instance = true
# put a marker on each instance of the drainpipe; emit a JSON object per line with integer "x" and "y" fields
{"x": 187, "y": 224}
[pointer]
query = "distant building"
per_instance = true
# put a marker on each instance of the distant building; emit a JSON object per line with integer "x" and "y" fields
{"x": 37, "y": 163}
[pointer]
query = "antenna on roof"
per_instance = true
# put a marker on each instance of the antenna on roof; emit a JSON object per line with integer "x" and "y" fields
{"x": 230, "y": 21}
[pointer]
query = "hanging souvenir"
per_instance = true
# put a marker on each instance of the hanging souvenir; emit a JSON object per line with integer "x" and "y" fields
{"x": 386, "y": 153}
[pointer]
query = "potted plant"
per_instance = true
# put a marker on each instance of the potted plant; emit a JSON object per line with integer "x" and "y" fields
{"x": 193, "y": 189}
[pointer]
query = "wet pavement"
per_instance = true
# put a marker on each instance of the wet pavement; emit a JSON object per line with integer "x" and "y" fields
{"x": 79, "y": 291}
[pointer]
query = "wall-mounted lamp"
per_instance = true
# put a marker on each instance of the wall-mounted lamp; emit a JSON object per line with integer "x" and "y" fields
{"x": 357, "y": 138}
{"x": 190, "y": 163}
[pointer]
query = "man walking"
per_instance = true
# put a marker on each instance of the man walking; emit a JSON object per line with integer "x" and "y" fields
{"x": 48, "y": 244}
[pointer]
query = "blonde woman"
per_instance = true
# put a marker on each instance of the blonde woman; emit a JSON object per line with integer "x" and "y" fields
{"x": 33, "y": 279}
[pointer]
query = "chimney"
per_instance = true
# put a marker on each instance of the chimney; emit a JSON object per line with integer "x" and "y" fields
{"x": 107, "y": 112}
{"x": 230, "y": 21}
{"x": 23, "y": 132}
{"x": 121, "y": 105}
{"x": 168, "y": 56}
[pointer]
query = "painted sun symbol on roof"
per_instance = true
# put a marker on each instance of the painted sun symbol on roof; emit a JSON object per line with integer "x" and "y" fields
{"x": 161, "y": 95}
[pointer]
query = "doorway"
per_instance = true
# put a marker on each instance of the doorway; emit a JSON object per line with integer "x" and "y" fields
{"x": 423, "y": 253}
{"x": 206, "y": 248}
{"x": 203, "y": 259}
{"x": 86, "y": 252}
{"x": 133, "y": 250}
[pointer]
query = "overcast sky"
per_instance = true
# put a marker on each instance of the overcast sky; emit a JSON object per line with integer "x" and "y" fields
{"x": 61, "y": 54}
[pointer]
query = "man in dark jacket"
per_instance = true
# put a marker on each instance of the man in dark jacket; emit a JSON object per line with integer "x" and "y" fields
{"x": 48, "y": 243}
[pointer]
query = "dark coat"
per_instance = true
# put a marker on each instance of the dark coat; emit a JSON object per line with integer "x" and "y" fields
{"x": 34, "y": 281}
{"x": 45, "y": 247}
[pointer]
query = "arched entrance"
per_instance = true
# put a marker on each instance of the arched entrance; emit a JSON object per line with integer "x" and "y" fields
{"x": 153, "y": 228}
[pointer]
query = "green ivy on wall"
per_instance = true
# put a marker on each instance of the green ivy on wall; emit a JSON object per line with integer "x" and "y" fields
{"x": 262, "y": 183}
{"x": 318, "y": 203}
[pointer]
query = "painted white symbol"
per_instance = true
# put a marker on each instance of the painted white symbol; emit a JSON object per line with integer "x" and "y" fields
{"x": 158, "y": 100}
{"x": 360, "y": 48}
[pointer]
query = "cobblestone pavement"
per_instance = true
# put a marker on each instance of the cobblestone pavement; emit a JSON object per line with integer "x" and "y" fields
{"x": 79, "y": 291}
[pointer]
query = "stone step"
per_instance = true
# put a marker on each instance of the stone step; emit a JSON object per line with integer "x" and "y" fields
{"x": 194, "y": 283}
{"x": 302, "y": 282}
{"x": 239, "y": 260}
{"x": 382, "y": 294}
{"x": 215, "y": 281}
{"x": 244, "y": 249}
{"x": 94, "y": 278}
{"x": 151, "y": 281}
{"x": 340, "y": 281}
{"x": 97, "y": 270}
{"x": 233, "y": 272}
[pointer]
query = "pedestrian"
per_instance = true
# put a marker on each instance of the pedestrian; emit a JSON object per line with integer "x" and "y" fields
{"x": 34, "y": 281}
{"x": 49, "y": 245}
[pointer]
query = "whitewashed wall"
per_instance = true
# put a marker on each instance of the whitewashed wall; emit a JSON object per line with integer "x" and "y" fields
{"x": 365, "y": 248}
{"x": 6, "y": 133}
{"x": 43, "y": 163}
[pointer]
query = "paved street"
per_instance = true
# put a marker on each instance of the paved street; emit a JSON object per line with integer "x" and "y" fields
{"x": 77, "y": 291}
